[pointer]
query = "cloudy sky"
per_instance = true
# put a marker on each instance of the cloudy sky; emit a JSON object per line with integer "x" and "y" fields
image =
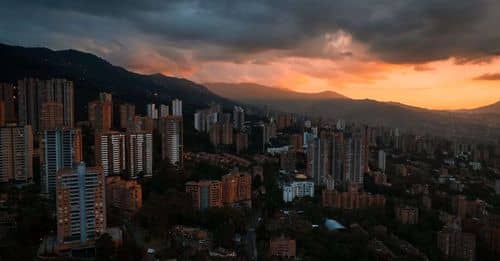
{"x": 434, "y": 54}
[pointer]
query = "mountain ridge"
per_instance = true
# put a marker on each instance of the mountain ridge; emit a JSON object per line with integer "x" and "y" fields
{"x": 93, "y": 74}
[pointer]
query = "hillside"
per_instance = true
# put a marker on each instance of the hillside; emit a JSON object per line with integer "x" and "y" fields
{"x": 418, "y": 120}
{"x": 252, "y": 91}
{"x": 92, "y": 75}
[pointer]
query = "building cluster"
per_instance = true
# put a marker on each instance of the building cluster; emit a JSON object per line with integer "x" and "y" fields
{"x": 338, "y": 156}
{"x": 224, "y": 132}
{"x": 37, "y": 120}
{"x": 353, "y": 198}
{"x": 234, "y": 188}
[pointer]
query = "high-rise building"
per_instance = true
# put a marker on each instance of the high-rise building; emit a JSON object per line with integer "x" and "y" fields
{"x": 288, "y": 160}
{"x": 127, "y": 114}
{"x": 205, "y": 194}
{"x": 241, "y": 141}
{"x": 16, "y": 154}
{"x": 81, "y": 207}
{"x": 124, "y": 195}
{"x": 139, "y": 154}
{"x": 296, "y": 141}
{"x": 110, "y": 152}
{"x": 221, "y": 133}
{"x": 354, "y": 158}
{"x": 171, "y": 134}
{"x": 59, "y": 148}
{"x": 215, "y": 134}
{"x": 204, "y": 119}
{"x": 238, "y": 117}
{"x": 319, "y": 160}
{"x": 152, "y": 111}
{"x": 177, "y": 107}
{"x": 33, "y": 93}
{"x": 453, "y": 243}
{"x": 51, "y": 116}
{"x": 101, "y": 112}
{"x": 284, "y": 121}
{"x": 2, "y": 113}
{"x": 381, "y": 160}
{"x": 236, "y": 187}
{"x": 143, "y": 124}
{"x": 7, "y": 96}
{"x": 164, "y": 110}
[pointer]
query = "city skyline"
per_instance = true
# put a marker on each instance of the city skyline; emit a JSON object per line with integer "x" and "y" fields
{"x": 385, "y": 52}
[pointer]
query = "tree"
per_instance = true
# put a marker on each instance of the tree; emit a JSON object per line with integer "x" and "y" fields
{"x": 105, "y": 248}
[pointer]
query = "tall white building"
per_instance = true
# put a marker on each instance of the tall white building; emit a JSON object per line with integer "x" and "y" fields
{"x": 59, "y": 148}
{"x": 177, "y": 107}
{"x": 381, "y": 160}
{"x": 139, "y": 154}
{"x": 110, "y": 152}
{"x": 81, "y": 207}
{"x": 238, "y": 117}
{"x": 171, "y": 133}
{"x": 152, "y": 111}
{"x": 164, "y": 110}
{"x": 298, "y": 189}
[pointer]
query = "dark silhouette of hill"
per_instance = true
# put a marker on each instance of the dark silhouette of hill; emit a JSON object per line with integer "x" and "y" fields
{"x": 418, "y": 120}
{"x": 488, "y": 109}
{"x": 252, "y": 91}
{"x": 92, "y": 75}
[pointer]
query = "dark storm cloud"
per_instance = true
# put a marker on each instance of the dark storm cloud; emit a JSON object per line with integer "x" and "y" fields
{"x": 488, "y": 77}
{"x": 403, "y": 31}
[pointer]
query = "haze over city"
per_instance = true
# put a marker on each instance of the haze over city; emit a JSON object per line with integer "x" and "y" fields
{"x": 440, "y": 55}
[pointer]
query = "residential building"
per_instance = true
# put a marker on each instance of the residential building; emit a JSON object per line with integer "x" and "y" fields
{"x": 241, "y": 142}
{"x": 288, "y": 160}
{"x": 352, "y": 199}
{"x": 7, "y": 98}
{"x": 127, "y": 114}
{"x": 283, "y": 247}
{"x": 143, "y": 124}
{"x": 101, "y": 112}
{"x": 139, "y": 150}
{"x": 164, "y": 110}
{"x": 124, "y": 195}
{"x": 33, "y": 93}
{"x": 81, "y": 207}
{"x": 298, "y": 189}
{"x": 455, "y": 244}
{"x": 205, "y": 194}
{"x": 16, "y": 154}
{"x": 381, "y": 160}
{"x": 110, "y": 152}
{"x": 177, "y": 107}
{"x": 51, "y": 116}
{"x": 152, "y": 111}
{"x": 59, "y": 148}
{"x": 238, "y": 117}
{"x": 171, "y": 135}
{"x": 236, "y": 187}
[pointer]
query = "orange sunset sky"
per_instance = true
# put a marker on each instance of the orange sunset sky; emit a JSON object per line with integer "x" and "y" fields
{"x": 434, "y": 54}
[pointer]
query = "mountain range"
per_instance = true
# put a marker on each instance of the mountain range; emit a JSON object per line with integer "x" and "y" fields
{"x": 92, "y": 75}
{"x": 483, "y": 122}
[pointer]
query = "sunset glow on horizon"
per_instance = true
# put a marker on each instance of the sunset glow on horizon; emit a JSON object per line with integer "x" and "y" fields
{"x": 434, "y": 55}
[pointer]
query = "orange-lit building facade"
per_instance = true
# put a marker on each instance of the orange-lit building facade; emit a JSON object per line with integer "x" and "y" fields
{"x": 124, "y": 195}
{"x": 51, "y": 116}
{"x": 283, "y": 247}
{"x": 352, "y": 199}
{"x": 80, "y": 207}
